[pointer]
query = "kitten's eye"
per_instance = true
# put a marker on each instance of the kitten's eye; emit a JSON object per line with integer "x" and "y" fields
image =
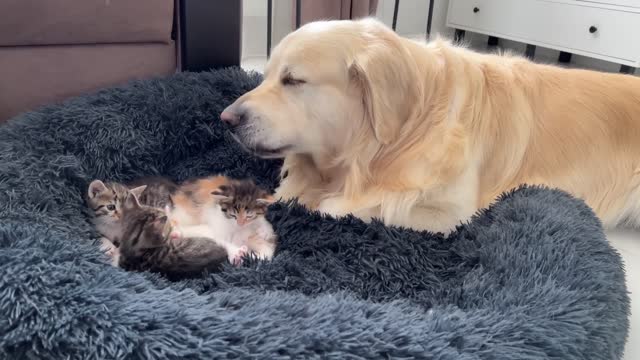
{"x": 111, "y": 207}
{"x": 290, "y": 81}
{"x": 224, "y": 210}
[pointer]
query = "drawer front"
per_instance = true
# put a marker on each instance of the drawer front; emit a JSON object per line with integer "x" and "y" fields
{"x": 589, "y": 29}
{"x": 630, "y": 3}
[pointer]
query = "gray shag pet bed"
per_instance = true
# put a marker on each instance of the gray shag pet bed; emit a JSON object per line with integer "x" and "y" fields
{"x": 531, "y": 277}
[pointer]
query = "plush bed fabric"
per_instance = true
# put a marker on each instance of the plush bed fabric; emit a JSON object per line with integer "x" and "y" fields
{"x": 531, "y": 277}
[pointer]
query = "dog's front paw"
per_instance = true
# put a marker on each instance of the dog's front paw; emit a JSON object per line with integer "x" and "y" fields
{"x": 333, "y": 206}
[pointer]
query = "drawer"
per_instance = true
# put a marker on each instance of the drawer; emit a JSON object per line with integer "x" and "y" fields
{"x": 556, "y": 24}
{"x": 630, "y": 3}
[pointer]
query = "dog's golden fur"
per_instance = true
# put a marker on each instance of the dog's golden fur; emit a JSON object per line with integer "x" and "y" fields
{"x": 423, "y": 135}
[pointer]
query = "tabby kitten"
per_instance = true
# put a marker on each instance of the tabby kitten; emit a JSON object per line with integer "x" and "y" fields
{"x": 146, "y": 246}
{"x": 105, "y": 203}
{"x": 157, "y": 193}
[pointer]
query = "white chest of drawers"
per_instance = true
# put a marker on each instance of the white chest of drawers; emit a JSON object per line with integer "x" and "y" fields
{"x": 602, "y": 29}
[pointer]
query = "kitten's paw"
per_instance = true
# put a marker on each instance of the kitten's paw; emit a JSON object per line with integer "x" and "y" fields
{"x": 237, "y": 259}
{"x": 115, "y": 257}
{"x": 108, "y": 247}
{"x": 111, "y": 251}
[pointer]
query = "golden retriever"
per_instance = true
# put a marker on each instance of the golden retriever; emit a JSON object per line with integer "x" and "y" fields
{"x": 423, "y": 135}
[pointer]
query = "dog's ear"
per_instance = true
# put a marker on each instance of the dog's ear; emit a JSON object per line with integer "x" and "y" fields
{"x": 388, "y": 80}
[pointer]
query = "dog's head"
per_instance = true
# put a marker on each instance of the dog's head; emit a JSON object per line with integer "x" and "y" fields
{"x": 327, "y": 85}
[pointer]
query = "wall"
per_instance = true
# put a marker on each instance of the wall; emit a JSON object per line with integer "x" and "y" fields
{"x": 254, "y": 28}
{"x": 412, "y": 16}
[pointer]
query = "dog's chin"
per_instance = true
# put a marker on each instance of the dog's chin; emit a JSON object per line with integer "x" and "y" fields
{"x": 260, "y": 150}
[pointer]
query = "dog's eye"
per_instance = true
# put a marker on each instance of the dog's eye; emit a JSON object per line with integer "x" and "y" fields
{"x": 290, "y": 81}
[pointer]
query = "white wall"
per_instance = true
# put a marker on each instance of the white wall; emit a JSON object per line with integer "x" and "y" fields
{"x": 412, "y": 16}
{"x": 254, "y": 28}
{"x": 412, "y": 21}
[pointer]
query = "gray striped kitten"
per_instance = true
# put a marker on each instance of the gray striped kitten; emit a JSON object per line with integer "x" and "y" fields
{"x": 105, "y": 202}
{"x": 146, "y": 246}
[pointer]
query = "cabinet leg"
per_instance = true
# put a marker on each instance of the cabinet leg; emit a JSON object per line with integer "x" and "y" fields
{"x": 396, "y": 4}
{"x": 530, "y": 52}
{"x": 458, "y": 36}
{"x": 626, "y": 69}
{"x": 564, "y": 57}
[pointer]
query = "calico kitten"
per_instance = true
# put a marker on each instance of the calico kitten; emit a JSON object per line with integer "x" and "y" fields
{"x": 192, "y": 197}
{"x": 244, "y": 205}
{"x": 145, "y": 245}
{"x": 235, "y": 219}
{"x": 242, "y": 200}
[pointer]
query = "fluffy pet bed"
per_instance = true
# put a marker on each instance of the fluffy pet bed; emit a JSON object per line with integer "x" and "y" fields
{"x": 532, "y": 277}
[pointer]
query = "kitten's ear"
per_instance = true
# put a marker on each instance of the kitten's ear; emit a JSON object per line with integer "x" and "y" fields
{"x": 95, "y": 188}
{"x": 138, "y": 191}
{"x": 131, "y": 202}
{"x": 266, "y": 200}
{"x": 221, "y": 193}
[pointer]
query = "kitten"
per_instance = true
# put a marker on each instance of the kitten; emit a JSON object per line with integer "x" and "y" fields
{"x": 192, "y": 197}
{"x": 145, "y": 245}
{"x": 105, "y": 203}
{"x": 245, "y": 205}
{"x": 157, "y": 192}
{"x": 231, "y": 213}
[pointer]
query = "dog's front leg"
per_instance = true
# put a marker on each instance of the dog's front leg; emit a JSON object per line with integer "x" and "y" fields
{"x": 440, "y": 210}
{"x": 442, "y": 218}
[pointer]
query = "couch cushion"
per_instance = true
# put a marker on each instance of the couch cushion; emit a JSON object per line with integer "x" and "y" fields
{"x": 37, "y": 75}
{"x": 63, "y": 22}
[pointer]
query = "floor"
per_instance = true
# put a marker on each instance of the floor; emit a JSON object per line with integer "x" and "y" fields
{"x": 627, "y": 243}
